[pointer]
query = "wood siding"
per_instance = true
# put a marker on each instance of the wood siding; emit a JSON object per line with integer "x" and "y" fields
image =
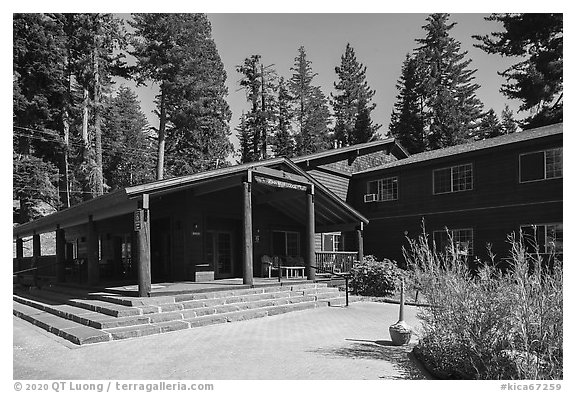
{"x": 496, "y": 206}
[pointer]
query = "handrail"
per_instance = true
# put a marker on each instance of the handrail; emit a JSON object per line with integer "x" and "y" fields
{"x": 36, "y": 268}
{"x": 345, "y": 276}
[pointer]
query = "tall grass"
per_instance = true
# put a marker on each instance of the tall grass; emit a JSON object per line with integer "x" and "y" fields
{"x": 486, "y": 322}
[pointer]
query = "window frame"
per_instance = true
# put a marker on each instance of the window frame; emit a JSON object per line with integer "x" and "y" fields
{"x": 451, "y": 168}
{"x": 380, "y": 186}
{"x": 470, "y": 252}
{"x": 286, "y": 232}
{"x": 545, "y": 151}
{"x": 547, "y": 248}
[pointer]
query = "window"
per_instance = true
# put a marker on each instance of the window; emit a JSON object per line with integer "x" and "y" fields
{"x": 286, "y": 243}
{"x": 541, "y": 165}
{"x": 332, "y": 242}
{"x": 463, "y": 240}
{"x": 543, "y": 238}
{"x": 453, "y": 179}
{"x": 382, "y": 190}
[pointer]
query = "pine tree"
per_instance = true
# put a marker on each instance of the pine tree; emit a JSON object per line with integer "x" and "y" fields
{"x": 538, "y": 79}
{"x": 407, "y": 121}
{"x": 490, "y": 126}
{"x": 310, "y": 108}
{"x": 509, "y": 125}
{"x": 282, "y": 140}
{"x": 351, "y": 101}
{"x": 246, "y": 138}
{"x": 259, "y": 83}
{"x": 452, "y": 108}
{"x": 127, "y": 159}
{"x": 178, "y": 52}
{"x": 38, "y": 93}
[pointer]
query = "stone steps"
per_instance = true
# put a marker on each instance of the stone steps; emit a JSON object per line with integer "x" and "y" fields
{"x": 99, "y": 317}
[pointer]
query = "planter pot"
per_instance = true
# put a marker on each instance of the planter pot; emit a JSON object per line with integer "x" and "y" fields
{"x": 400, "y": 333}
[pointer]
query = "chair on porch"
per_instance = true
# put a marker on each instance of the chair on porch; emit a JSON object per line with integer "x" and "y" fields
{"x": 267, "y": 266}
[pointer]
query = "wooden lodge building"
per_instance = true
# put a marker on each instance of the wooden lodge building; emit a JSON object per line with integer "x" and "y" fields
{"x": 238, "y": 221}
{"x": 477, "y": 193}
{"x": 325, "y": 209}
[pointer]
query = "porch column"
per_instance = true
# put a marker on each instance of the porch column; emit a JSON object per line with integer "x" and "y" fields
{"x": 310, "y": 230}
{"x": 36, "y": 256}
{"x": 93, "y": 264}
{"x": 248, "y": 241}
{"x": 19, "y": 253}
{"x": 142, "y": 229}
{"x": 60, "y": 255}
{"x": 360, "y": 234}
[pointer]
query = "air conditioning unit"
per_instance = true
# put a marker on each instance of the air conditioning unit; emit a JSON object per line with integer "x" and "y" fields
{"x": 370, "y": 198}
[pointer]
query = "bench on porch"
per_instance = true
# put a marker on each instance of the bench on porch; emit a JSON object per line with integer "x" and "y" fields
{"x": 289, "y": 267}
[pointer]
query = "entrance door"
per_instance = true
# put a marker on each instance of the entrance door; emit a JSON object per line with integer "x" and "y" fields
{"x": 160, "y": 247}
{"x": 220, "y": 253}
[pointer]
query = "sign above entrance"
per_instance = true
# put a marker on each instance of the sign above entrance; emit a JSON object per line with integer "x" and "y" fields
{"x": 279, "y": 183}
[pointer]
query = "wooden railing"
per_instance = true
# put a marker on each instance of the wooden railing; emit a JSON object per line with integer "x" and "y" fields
{"x": 336, "y": 261}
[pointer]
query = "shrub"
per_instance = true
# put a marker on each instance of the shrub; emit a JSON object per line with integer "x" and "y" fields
{"x": 490, "y": 324}
{"x": 374, "y": 278}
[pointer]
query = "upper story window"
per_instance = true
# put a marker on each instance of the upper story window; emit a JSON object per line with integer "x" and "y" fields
{"x": 543, "y": 238}
{"x": 541, "y": 165}
{"x": 452, "y": 179}
{"x": 382, "y": 190}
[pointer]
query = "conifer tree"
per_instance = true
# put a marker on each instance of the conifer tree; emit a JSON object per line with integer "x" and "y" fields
{"x": 452, "y": 108}
{"x": 177, "y": 51}
{"x": 537, "y": 80}
{"x": 38, "y": 93}
{"x": 351, "y": 101}
{"x": 128, "y": 158}
{"x": 407, "y": 120}
{"x": 509, "y": 125}
{"x": 490, "y": 126}
{"x": 310, "y": 108}
{"x": 246, "y": 139}
{"x": 437, "y": 92}
{"x": 282, "y": 140}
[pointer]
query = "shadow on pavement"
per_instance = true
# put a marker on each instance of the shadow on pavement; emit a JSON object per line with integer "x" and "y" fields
{"x": 400, "y": 356}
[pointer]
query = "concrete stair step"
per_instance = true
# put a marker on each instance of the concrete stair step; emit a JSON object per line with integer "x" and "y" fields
{"x": 81, "y": 315}
{"x": 116, "y": 318}
{"x": 72, "y": 331}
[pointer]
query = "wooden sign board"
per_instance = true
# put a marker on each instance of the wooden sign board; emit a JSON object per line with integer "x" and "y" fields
{"x": 279, "y": 183}
{"x": 137, "y": 220}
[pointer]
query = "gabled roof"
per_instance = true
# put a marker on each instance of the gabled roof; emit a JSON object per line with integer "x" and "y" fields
{"x": 509, "y": 139}
{"x": 359, "y": 149}
{"x": 125, "y": 201}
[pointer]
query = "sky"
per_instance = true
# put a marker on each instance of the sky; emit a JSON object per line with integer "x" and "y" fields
{"x": 380, "y": 40}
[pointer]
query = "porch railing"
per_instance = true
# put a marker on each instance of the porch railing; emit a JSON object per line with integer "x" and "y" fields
{"x": 336, "y": 261}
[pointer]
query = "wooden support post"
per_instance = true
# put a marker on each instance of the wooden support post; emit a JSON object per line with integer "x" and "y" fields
{"x": 360, "y": 234}
{"x": 36, "y": 253}
{"x": 19, "y": 253}
{"x": 248, "y": 278}
{"x": 93, "y": 262}
{"x": 310, "y": 231}
{"x": 142, "y": 229}
{"x": 60, "y": 255}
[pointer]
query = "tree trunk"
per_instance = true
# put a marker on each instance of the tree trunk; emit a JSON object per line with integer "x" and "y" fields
{"x": 161, "y": 136}
{"x": 64, "y": 182}
{"x": 86, "y": 186}
{"x": 97, "y": 121}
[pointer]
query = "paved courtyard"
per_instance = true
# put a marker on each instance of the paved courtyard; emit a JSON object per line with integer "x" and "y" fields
{"x": 327, "y": 343}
